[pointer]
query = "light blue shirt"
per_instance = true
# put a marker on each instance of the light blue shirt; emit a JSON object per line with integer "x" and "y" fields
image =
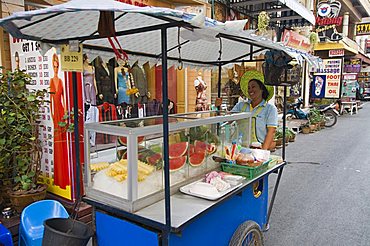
{"x": 267, "y": 117}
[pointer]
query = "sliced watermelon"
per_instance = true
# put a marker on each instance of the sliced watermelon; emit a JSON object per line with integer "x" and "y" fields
{"x": 211, "y": 148}
{"x": 191, "y": 149}
{"x": 196, "y": 159}
{"x": 177, "y": 149}
{"x": 154, "y": 159}
{"x": 177, "y": 163}
{"x": 123, "y": 140}
{"x": 200, "y": 144}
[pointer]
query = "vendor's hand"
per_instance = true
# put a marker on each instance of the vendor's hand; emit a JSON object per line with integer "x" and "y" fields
{"x": 101, "y": 96}
{"x": 218, "y": 102}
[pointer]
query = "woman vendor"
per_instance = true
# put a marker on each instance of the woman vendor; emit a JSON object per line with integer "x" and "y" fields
{"x": 264, "y": 114}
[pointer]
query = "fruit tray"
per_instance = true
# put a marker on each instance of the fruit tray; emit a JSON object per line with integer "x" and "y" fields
{"x": 246, "y": 171}
{"x": 187, "y": 190}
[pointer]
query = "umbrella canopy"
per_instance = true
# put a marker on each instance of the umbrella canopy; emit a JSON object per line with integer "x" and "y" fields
{"x": 138, "y": 31}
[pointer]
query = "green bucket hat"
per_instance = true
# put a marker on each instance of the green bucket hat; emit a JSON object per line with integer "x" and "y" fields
{"x": 254, "y": 74}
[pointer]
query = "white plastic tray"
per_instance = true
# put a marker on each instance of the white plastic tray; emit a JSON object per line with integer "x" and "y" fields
{"x": 186, "y": 190}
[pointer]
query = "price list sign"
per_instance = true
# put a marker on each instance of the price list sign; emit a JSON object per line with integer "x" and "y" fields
{"x": 26, "y": 56}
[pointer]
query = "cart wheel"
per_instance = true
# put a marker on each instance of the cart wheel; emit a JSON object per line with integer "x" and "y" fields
{"x": 248, "y": 233}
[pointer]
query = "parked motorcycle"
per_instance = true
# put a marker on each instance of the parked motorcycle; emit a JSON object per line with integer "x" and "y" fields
{"x": 330, "y": 112}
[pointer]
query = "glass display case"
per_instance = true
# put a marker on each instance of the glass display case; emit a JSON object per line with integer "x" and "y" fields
{"x": 124, "y": 164}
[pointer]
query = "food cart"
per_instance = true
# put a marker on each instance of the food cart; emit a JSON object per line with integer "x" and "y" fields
{"x": 162, "y": 214}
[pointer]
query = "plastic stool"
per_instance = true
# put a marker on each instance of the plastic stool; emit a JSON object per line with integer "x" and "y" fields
{"x": 31, "y": 227}
{"x": 5, "y": 236}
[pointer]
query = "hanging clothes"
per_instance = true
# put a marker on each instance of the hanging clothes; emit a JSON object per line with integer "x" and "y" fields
{"x": 103, "y": 82}
{"x": 107, "y": 112}
{"x": 92, "y": 115}
{"x": 140, "y": 82}
{"x": 89, "y": 86}
{"x": 122, "y": 87}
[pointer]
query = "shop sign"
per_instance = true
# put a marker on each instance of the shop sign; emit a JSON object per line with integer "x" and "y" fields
{"x": 367, "y": 46}
{"x": 352, "y": 65}
{"x": 295, "y": 40}
{"x": 363, "y": 29}
{"x": 71, "y": 60}
{"x": 335, "y": 53}
{"x": 328, "y": 19}
{"x": 326, "y": 80}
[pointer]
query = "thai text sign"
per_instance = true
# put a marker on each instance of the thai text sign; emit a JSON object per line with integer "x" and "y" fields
{"x": 363, "y": 29}
{"x": 295, "y": 40}
{"x": 326, "y": 82}
{"x": 336, "y": 53}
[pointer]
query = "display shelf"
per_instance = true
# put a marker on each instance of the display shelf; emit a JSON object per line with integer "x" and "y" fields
{"x": 131, "y": 177}
{"x": 185, "y": 208}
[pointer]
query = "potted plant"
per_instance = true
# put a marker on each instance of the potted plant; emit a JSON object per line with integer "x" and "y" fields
{"x": 306, "y": 128}
{"x": 279, "y": 137}
{"x": 290, "y": 135}
{"x": 20, "y": 148}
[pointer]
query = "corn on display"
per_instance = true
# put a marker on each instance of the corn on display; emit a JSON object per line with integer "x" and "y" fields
{"x": 118, "y": 170}
{"x": 95, "y": 167}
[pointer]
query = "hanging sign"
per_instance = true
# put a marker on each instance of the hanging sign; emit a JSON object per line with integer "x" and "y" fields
{"x": 328, "y": 19}
{"x": 363, "y": 29}
{"x": 71, "y": 60}
{"x": 336, "y": 53}
{"x": 295, "y": 40}
{"x": 326, "y": 81}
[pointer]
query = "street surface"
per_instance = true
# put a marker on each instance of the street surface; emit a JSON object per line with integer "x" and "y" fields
{"x": 324, "y": 193}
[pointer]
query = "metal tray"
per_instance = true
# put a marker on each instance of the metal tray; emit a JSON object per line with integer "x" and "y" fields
{"x": 186, "y": 190}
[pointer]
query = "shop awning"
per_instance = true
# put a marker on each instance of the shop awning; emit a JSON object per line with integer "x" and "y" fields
{"x": 283, "y": 11}
{"x": 364, "y": 58}
{"x": 192, "y": 39}
{"x": 336, "y": 46}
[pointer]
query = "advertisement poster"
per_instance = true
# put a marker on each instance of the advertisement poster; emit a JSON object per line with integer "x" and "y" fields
{"x": 318, "y": 86}
{"x": 45, "y": 71}
{"x": 349, "y": 87}
{"x": 327, "y": 79}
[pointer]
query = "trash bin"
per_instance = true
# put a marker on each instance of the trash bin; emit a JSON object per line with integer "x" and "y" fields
{"x": 66, "y": 232}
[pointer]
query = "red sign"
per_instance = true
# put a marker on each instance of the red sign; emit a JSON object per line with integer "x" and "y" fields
{"x": 334, "y": 53}
{"x": 295, "y": 40}
{"x": 329, "y": 21}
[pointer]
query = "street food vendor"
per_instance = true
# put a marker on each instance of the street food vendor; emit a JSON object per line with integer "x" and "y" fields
{"x": 264, "y": 114}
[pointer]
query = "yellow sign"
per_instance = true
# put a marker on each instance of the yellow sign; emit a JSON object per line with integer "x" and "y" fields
{"x": 71, "y": 61}
{"x": 363, "y": 29}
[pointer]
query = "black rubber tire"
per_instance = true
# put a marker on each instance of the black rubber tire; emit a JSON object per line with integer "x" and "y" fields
{"x": 330, "y": 118}
{"x": 246, "y": 230}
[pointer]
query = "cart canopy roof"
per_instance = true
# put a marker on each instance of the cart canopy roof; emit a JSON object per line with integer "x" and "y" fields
{"x": 194, "y": 39}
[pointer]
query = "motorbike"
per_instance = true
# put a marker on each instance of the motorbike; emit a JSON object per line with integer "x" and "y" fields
{"x": 330, "y": 112}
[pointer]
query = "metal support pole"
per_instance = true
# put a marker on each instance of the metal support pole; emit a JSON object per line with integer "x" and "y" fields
{"x": 273, "y": 198}
{"x": 167, "y": 193}
{"x": 219, "y": 81}
{"x": 284, "y": 115}
{"x": 76, "y": 135}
